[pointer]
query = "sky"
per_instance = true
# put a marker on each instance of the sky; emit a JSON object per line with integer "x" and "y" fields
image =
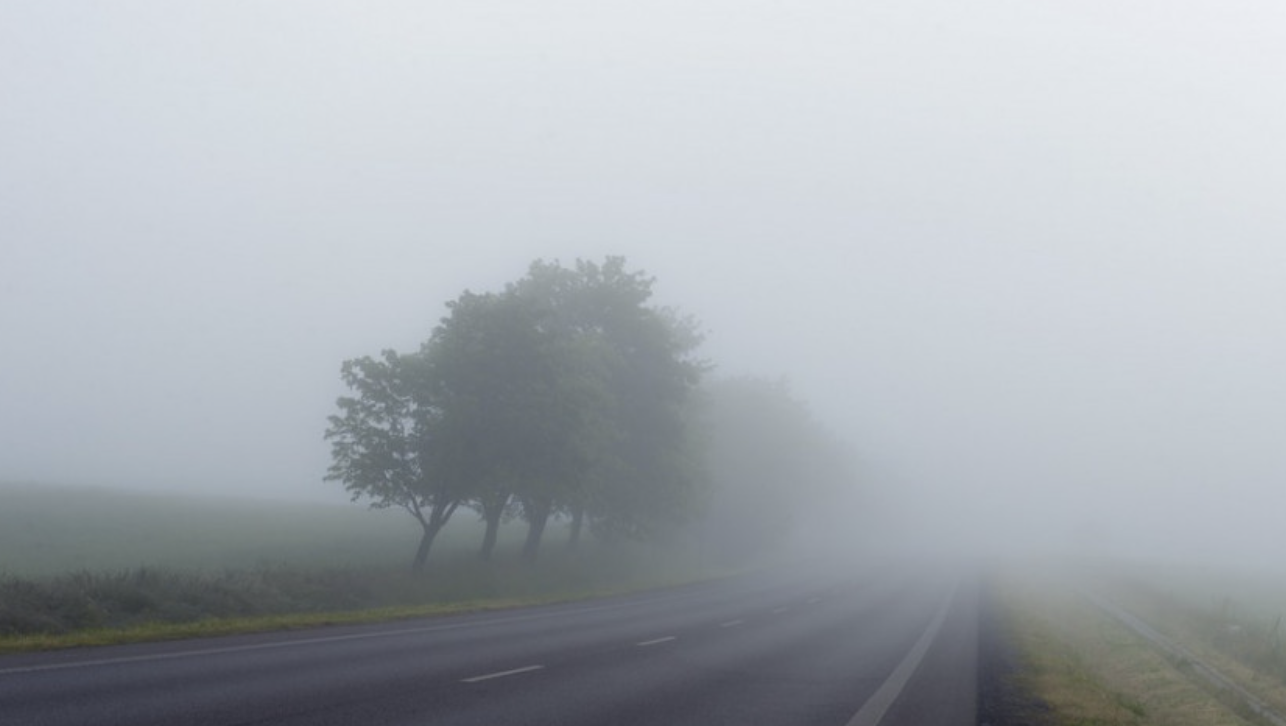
{"x": 1028, "y": 257}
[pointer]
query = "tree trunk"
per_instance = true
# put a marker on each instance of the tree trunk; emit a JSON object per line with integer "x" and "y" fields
{"x": 492, "y": 518}
{"x": 578, "y": 520}
{"x": 493, "y": 510}
{"x": 422, "y": 552}
{"x": 537, "y": 518}
{"x": 441, "y": 513}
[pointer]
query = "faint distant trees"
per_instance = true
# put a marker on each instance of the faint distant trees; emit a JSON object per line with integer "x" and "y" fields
{"x": 563, "y": 394}
{"x": 770, "y": 465}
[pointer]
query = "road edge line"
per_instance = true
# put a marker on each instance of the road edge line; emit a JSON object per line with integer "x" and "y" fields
{"x": 873, "y": 711}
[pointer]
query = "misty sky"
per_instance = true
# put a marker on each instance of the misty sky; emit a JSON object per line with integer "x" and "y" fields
{"x": 1029, "y": 257}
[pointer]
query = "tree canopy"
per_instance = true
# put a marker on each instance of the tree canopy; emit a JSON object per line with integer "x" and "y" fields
{"x": 770, "y": 464}
{"x": 387, "y": 443}
{"x": 564, "y": 393}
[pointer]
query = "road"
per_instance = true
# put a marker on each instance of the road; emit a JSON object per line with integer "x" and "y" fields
{"x": 875, "y": 645}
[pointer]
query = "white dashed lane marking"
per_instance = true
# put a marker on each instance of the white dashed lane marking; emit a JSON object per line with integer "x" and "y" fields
{"x": 656, "y": 641}
{"x": 502, "y": 674}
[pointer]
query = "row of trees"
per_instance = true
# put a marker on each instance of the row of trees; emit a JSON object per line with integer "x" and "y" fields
{"x": 566, "y": 394}
{"x": 775, "y": 476}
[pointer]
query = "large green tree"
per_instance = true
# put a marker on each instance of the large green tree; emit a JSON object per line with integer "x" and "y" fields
{"x": 517, "y": 402}
{"x": 563, "y": 394}
{"x": 630, "y": 465}
{"x": 386, "y": 444}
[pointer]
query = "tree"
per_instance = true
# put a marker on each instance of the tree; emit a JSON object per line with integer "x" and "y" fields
{"x": 514, "y": 398}
{"x": 769, "y": 462}
{"x": 562, "y": 394}
{"x": 628, "y": 364}
{"x": 385, "y": 444}
{"x": 654, "y": 477}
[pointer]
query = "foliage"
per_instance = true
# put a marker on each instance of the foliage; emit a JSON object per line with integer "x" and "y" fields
{"x": 563, "y": 393}
{"x": 768, "y": 461}
{"x": 385, "y": 444}
{"x": 633, "y": 473}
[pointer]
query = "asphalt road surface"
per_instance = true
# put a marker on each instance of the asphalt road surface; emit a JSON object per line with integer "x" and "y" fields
{"x": 857, "y": 648}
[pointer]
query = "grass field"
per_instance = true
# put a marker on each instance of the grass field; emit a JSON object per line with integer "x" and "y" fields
{"x": 47, "y": 530}
{"x": 82, "y": 566}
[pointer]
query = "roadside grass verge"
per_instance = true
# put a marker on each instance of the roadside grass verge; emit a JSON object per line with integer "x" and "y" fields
{"x": 1089, "y": 669}
{"x": 1229, "y": 625}
{"x": 211, "y": 627}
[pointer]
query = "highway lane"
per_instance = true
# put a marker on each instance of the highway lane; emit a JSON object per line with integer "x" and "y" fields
{"x": 790, "y": 647}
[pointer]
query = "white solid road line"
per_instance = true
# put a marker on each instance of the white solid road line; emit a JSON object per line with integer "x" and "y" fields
{"x": 779, "y": 611}
{"x": 731, "y": 623}
{"x": 502, "y": 674}
{"x": 655, "y": 641}
{"x": 872, "y": 712}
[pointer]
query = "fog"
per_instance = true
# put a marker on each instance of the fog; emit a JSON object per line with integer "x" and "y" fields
{"x": 1026, "y": 257}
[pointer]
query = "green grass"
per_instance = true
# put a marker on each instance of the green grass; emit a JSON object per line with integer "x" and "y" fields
{"x": 1232, "y": 620}
{"x": 88, "y": 566}
{"x": 1089, "y": 669}
{"x": 148, "y": 630}
{"x": 49, "y": 530}
{"x": 211, "y": 627}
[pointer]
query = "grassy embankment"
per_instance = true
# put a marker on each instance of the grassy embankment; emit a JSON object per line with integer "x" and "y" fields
{"x": 1228, "y": 620}
{"x": 1088, "y": 668}
{"x": 87, "y": 567}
